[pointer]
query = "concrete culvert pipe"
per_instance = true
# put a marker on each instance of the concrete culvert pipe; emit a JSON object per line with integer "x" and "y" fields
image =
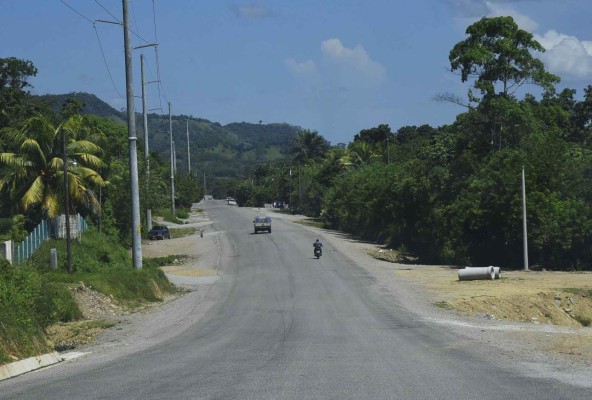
{"x": 471, "y": 274}
{"x": 498, "y": 272}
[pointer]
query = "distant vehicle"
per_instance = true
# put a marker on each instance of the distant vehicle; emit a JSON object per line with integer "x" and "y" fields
{"x": 159, "y": 232}
{"x": 230, "y": 201}
{"x": 262, "y": 224}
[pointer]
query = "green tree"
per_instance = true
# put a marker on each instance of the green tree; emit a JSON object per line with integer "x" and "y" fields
{"x": 33, "y": 176}
{"x": 309, "y": 146}
{"x": 14, "y": 74}
{"x": 497, "y": 51}
{"x": 188, "y": 190}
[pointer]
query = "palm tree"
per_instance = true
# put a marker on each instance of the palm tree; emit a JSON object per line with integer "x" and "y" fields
{"x": 33, "y": 174}
{"x": 309, "y": 145}
{"x": 358, "y": 153}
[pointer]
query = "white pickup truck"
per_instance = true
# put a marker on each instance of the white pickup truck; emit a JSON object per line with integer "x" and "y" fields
{"x": 262, "y": 224}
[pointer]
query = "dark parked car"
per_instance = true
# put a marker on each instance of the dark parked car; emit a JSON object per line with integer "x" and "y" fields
{"x": 159, "y": 233}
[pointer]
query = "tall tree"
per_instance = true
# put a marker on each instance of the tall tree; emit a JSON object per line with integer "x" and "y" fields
{"x": 33, "y": 176}
{"x": 497, "y": 51}
{"x": 14, "y": 75}
{"x": 309, "y": 146}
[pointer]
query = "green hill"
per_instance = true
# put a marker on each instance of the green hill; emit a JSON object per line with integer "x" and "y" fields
{"x": 222, "y": 152}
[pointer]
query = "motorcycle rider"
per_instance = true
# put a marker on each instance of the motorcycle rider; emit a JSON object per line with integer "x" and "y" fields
{"x": 317, "y": 245}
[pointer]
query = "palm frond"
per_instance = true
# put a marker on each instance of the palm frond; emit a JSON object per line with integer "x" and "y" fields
{"x": 90, "y": 160}
{"x": 51, "y": 204}
{"x": 90, "y": 175}
{"x": 34, "y": 194}
{"x": 83, "y": 146}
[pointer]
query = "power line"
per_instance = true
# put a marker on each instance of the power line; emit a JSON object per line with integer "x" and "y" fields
{"x": 108, "y": 12}
{"x": 157, "y": 86}
{"x": 73, "y": 9}
{"x": 100, "y": 44}
{"x": 160, "y": 86}
{"x": 158, "y": 75}
{"x": 161, "y": 91}
{"x": 134, "y": 15}
{"x": 105, "y": 60}
{"x": 121, "y": 23}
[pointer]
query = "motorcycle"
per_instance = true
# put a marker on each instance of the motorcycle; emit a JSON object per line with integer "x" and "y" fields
{"x": 318, "y": 252}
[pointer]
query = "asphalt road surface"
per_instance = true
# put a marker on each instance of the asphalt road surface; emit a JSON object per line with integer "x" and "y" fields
{"x": 288, "y": 326}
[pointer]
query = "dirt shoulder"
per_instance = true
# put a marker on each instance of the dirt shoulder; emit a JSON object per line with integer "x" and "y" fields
{"x": 196, "y": 246}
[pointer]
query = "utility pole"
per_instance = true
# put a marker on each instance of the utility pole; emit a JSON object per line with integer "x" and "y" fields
{"x": 133, "y": 155}
{"x": 188, "y": 153}
{"x": 524, "y": 233}
{"x": 67, "y": 203}
{"x": 146, "y": 152}
{"x": 174, "y": 157}
{"x": 172, "y": 162}
{"x": 299, "y": 191}
{"x": 388, "y": 151}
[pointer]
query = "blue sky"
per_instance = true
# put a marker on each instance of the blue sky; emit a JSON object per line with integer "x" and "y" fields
{"x": 335, "y": 66}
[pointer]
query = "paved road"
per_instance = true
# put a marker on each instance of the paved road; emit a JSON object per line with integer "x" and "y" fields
{"x": 288, "y": 326}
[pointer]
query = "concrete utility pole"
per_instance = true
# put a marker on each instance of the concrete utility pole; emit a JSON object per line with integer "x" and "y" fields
{"x": 388, "y": 151}
{"x": 174, "y": 157}
{"x": 524, "y": 233}
{"x": 172, "y": 162}
{"x": 146, "y": 152}
{"x": 67, "y": 204}
{"x": 188, "y": 153}
{"x": 133, "y": 155}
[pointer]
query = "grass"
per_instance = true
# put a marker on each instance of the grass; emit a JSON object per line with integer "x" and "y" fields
{"x": 580, "y": 291}
{"x": 314, "y": 222}
{"x": 585, "y": 321}
{"x": 32, "y": 296}
{"x": 444, "y": 305}
{"x": 168, "y": 216}
{"x": 182, "y": 232}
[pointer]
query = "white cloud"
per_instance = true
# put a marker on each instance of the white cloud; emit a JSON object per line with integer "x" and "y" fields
{"x": 354, "y": 61}
{"x": 566, "y": 55}
{"x": 523, "y": 22}
{"x": 252, "y": 11}
{"x": 305, "y": 67}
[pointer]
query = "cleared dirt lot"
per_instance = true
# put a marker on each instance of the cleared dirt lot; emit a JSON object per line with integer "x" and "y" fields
{"x": 552, "y": 298}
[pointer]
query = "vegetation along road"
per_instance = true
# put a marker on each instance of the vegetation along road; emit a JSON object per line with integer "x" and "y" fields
{"x": 280, "y": 324}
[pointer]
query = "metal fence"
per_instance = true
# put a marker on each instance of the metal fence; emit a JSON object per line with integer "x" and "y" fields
{"x": 45, "y": 230}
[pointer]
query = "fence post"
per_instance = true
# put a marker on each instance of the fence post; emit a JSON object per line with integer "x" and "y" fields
{"x": 53, "y": 259}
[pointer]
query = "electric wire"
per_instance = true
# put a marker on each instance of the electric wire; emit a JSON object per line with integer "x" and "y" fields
{"x": 161, "y": 91}
{"x": 105, "y": 60}
{"x": 121, "y": 23}
{"x": 134, "y": 15}
{"x": 108, "y": 12}
{"x": 100, "y": 45}
{"x": 160, "y": 86}
{"x": 73, "y": 9}
{"x": 152, "y": 78}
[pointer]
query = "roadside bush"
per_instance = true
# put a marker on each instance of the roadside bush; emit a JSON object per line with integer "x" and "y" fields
{"x": 58, "y": 304}
{"x": 167, "y": 215}
{"x": 93, "y": 253}
{"x": 182, "y": 213}
{"x": 20, "y": 295}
